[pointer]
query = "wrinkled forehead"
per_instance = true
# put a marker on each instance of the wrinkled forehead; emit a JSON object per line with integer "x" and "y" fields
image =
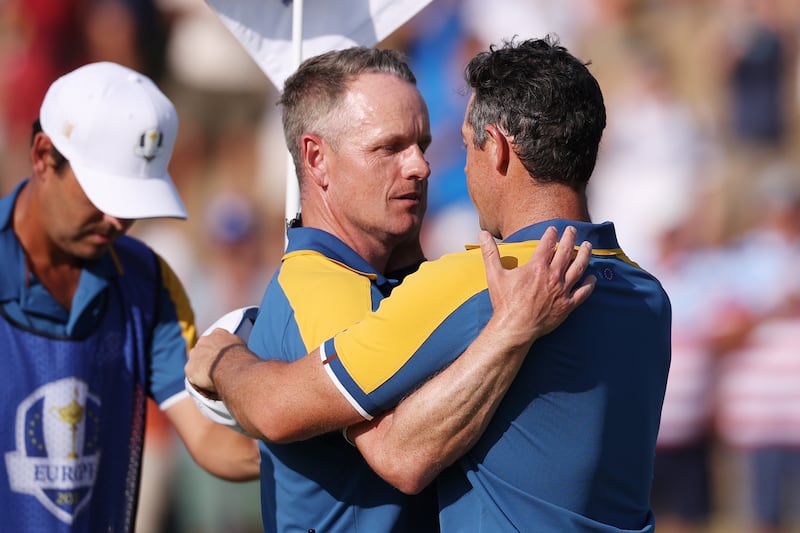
{"x": 373, "y": 90}
{"x": 383, "y": 102}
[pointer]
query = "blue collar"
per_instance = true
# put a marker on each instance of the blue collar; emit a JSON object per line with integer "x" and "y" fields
{"x": 7, "y": 206}
{"x": 602, "y": 236}
{"x": 332, "y": 247}
{"x": 12, "y": 260}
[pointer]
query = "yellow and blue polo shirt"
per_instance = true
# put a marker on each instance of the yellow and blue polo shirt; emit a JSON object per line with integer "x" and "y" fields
{"x": 323, "y": 484}
{"x": 571, "y": 446}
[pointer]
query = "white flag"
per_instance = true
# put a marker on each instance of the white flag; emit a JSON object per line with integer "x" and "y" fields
{"x": 264, "y": 27}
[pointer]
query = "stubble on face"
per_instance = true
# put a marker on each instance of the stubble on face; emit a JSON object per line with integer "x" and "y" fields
{"x": 76, "y": 227}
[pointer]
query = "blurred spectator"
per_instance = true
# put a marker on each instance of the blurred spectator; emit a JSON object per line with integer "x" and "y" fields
{"x": 235, "y": 271}
{"x": 759, "y": 392}
{"x": 528, "y": 19}
{"x": 130, "y": 32}
{"x": 653, "y": 154}
{"x": 222, "y": 98}
{"x": 41, "y": 40}
{"x": 758, "y": 54}
{"x": 689, "y": 261}
{"x": 238, "y": 260}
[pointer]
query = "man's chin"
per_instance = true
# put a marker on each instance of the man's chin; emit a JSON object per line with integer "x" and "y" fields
{"x": 92, "y": 252}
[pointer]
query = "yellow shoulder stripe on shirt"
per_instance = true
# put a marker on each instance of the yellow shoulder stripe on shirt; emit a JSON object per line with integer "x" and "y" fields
{"x": 608, "y": 252}
{"x": 325, "y": 295}
{"x": 181, "y": 300}
{"x": 176, "y": 291}
{"x": 377, "y": 347}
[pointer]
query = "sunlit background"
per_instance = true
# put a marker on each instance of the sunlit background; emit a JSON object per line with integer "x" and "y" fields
{"x": 699, "y": 168}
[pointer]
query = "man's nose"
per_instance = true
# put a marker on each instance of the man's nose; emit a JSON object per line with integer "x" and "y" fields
{"x": 419, "y": 166}
{"x": 119, "y": 224}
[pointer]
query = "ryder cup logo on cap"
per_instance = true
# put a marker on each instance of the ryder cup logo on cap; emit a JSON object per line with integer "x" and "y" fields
{"x": 117, "y": 130}
{"x": 150, "y": 144}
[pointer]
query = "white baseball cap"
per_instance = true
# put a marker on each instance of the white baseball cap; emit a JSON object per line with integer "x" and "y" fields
{"x": 117, "y": 130}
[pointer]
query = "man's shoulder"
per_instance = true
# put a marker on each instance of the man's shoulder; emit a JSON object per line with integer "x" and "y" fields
{"x": 311, "y": 265}
{"x": 457, "y": 275}
{"x": 308, "y": 278}
{"x": 452, "y": 264}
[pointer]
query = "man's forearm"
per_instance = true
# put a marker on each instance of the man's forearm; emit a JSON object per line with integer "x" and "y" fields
{"x": 235, "y": 373}
{"x": 274, "y": 401}
{"x": 219, "y": 450}
{"x": 444, "y": 418}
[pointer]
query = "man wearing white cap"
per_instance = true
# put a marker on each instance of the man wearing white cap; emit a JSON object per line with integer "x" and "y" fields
{"x": 93, "y": 322}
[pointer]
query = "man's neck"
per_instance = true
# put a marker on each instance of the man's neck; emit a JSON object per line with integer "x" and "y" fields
{"x": 544, "y": 202}
{"x": 374, "y": 249}
{"x": 57, "y": 271}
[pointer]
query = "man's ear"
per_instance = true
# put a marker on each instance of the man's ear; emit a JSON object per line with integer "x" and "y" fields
{"x": 42, "y": 153}
{"x": 500, "y": 148}
{"x": 313, "y": 158}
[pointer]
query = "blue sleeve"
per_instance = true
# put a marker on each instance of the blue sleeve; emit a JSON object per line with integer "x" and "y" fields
{"x": 174, "y": 334}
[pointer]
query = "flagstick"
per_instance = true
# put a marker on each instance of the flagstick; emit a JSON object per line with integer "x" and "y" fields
{"x": 292, "y": 187}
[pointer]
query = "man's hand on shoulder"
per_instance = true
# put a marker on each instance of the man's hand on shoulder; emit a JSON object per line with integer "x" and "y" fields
{"x": 533, "y": 299}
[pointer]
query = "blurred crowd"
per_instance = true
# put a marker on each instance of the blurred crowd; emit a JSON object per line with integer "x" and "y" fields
{"x": 699, "y": 168}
